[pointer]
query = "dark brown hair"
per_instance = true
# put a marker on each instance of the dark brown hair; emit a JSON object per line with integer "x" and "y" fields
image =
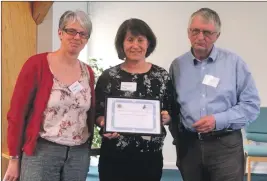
{"x": 136, "y": 27}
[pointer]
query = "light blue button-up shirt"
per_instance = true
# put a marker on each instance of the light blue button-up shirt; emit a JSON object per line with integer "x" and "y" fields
{"x": 234, "y": 102}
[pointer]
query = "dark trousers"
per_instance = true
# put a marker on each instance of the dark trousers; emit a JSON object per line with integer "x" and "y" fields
{"x": 215, "y": 159}
{"x": 142, "y": 166}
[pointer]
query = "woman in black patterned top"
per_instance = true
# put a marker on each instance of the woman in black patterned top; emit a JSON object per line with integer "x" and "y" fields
{"x": 126, "y": 158}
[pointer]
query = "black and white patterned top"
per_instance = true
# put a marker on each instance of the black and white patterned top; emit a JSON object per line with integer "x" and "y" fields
{"x": 155, "y": 83}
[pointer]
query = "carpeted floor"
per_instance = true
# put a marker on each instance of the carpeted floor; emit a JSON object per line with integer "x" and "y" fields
{"x": 169, "y": 175}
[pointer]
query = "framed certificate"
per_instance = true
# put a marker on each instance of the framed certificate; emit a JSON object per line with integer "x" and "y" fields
{"x": 133, "y": 116}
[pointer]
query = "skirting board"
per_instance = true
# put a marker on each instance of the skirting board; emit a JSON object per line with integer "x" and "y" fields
{"x": 255, "y": 167}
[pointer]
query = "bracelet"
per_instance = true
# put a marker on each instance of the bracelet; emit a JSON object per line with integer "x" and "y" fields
{"x": 14, "y": 157}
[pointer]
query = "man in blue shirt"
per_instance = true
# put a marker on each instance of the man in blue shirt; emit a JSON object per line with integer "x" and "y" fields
{"x": 217, "y": 97}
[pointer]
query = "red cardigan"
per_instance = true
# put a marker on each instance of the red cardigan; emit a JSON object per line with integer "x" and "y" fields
{"x": 29, "y": 100}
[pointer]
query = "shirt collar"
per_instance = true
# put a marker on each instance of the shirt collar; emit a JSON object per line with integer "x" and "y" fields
{"x": 212, "y": 57}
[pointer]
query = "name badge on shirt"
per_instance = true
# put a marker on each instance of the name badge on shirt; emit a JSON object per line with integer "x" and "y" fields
{"x": 128, "y": 86}
{"x": 211, "y": 81}
{"x": 75, "y": 87}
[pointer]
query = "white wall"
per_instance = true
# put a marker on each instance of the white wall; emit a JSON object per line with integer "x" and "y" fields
{"x": 45, "y": 34}
{"x": 244, "y": 28}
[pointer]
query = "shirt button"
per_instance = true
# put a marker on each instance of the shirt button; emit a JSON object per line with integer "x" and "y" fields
{"x": 203, "y": 68}
{"x": 203, "y": 109}
{"x": 203, "y": 95}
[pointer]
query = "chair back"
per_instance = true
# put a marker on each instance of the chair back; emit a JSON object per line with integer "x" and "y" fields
{"x": 260, "y": 124}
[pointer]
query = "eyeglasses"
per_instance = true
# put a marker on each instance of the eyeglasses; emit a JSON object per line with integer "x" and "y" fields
{"x": 74, "y": 32}
{"x": 206, "y": 33}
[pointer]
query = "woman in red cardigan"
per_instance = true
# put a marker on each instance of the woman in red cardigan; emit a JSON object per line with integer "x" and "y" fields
{"x": 51, "y": 116}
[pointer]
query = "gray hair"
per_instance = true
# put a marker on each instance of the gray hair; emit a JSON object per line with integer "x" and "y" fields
{"x": 209, "y": 15}
{"x": 73, "y": 16}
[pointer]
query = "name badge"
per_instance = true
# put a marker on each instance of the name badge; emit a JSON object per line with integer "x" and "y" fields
{"x": 128, "y": 86}
{"x": 75, "y": 87}
{"x": 211, "y": 81}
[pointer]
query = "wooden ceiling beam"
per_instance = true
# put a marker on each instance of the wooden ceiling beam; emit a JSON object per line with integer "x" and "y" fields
{"x": 39, "y": 10}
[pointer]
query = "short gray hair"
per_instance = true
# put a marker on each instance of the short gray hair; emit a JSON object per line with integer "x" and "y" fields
{"x": 209, "y": 15}
{"x": 73, "y": 16}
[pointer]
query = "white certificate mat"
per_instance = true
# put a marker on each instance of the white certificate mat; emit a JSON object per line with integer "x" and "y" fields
{"x": 127, "y": 115}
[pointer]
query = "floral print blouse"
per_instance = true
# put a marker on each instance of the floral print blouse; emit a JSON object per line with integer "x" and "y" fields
{"x": 66, "y": 113}
{"x": 153, "y": 84}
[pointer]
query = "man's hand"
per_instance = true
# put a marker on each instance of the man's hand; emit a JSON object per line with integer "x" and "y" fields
{"x": 205, "y": 124}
